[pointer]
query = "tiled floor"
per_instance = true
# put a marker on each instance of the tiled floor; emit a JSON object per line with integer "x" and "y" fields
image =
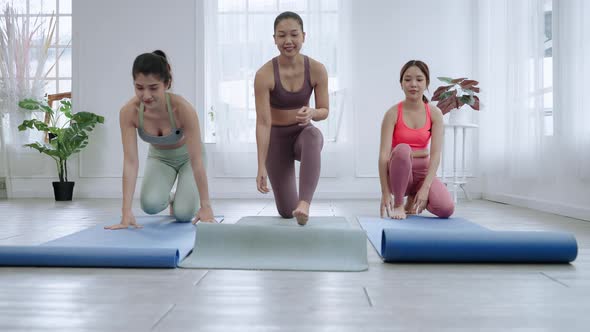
{"x": 387, "y": 297}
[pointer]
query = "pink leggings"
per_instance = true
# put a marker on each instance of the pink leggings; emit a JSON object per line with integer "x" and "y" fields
{"x": 406, "y": 175}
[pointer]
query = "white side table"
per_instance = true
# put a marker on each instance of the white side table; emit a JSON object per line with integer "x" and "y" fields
{"x": 457, "y": 179}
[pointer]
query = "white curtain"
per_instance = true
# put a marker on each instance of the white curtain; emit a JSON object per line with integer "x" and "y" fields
{"x": 511, "y": 47}
{"x": 238, "y": 42}
{"x": 573, "y": 75}
{"x": 534, "y": 128}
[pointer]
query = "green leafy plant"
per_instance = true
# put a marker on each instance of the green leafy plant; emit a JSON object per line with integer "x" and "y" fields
{"x": 459, "y": 92}
{"x": 65, "y": 140}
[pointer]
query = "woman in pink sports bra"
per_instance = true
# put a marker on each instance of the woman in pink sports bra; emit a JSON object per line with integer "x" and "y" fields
{"x": 284, "y": 129}
{"x": 406, "y": 166}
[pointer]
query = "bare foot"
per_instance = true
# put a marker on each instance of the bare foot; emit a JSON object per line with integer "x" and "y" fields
{"x": 301, "y": 213}
{"x": 399, "y": 212}
{"x": 409, "y": 207}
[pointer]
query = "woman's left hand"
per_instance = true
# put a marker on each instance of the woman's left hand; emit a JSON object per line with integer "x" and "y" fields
{"x": 205, "y": 214}
{"x": 304, "y": 115}
{"x": 421, "y": 199}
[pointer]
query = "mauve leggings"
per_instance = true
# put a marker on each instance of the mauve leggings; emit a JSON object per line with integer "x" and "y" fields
{"x": 287, "y": 144}
{"x": 406, "y": 175}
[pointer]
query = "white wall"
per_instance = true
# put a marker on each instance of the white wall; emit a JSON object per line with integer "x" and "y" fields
{"x": 386, "y": 39}
{"x": 383, "y": 35}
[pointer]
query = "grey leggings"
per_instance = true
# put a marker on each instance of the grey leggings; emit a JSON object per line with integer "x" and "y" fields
{"x": 162, "y": 168}
{"x": 287, "y": 144}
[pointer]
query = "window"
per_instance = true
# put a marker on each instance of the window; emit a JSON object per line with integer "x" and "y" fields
{"x": 59, "y": 78}
{"x": 239, "y": 41}
{"x": 57, "y": 69}
{"x": 548, "y": 68}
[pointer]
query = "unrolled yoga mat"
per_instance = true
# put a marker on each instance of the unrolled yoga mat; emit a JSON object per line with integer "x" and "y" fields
{"x": 424, "y": 239}
{"x": 273, "y": 243}
{"x": 161, "y": 242}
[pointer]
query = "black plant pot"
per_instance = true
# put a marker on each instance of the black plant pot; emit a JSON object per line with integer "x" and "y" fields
{"x": 63, "y": 190}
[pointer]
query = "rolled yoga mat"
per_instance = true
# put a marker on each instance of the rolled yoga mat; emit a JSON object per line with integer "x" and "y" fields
{"x": 426, "y": 239}
{"x": 273, "y": 243}
{"x": 161, "y": 243}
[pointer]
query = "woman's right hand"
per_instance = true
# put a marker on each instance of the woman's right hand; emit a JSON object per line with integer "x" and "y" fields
{"x": 127, "y": 220}
{"x": 386, "y": 205}
{"x": 261, "y": 181}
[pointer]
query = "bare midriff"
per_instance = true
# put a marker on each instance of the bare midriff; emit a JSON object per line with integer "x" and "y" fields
{"x": 283, "y": 117}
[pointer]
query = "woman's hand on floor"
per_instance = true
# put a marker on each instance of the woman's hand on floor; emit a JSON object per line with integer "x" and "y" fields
{"x": 205, "y": 214}
{"x": 127, "y": 220}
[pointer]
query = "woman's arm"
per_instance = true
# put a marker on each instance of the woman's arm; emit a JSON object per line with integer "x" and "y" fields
{"x": 192, "y": 132}
{"x": 130, "y": 166}
{"x": 387, "y": 127}
{"x": 263, "y": 125}
{"x": 322, "y": 99}
{"x": 435, "y": 144}
{"x": 130, "y": 158}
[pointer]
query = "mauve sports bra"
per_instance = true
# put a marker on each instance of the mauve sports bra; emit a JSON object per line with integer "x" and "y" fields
{"x": 286, "y": 100}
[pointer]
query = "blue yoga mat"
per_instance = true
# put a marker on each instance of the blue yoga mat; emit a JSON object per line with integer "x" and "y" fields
{"x": 426, "y": 239}
{"x": 161, "y": 243}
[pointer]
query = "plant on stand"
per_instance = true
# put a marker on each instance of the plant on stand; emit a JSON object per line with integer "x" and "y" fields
{"x": 458, "y": 92}
{"x": 64, "y": 140}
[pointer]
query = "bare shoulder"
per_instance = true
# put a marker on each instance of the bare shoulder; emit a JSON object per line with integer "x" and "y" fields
{"x": 180, "y": 106}
{"x": 265, "y": 76}
{"x": 179, "y": 102}
{"x": 391, "y": 114}
{"x": 317, "y": 67}
{"x": 129, "y": 110}
{"x": 435, "y": 112}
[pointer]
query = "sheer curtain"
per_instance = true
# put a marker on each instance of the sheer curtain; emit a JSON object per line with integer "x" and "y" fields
{"x": 510, "y": 39}
{"x": 238, "y": 41}
{"x": 535, "y": 149}
{"x": 573, "y": 75}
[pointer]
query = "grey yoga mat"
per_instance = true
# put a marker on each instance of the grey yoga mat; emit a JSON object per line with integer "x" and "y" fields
{"x": 273, "y": 243}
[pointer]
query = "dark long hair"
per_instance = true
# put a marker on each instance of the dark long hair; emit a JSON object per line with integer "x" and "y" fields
{"x": 154, "y": 63}
{"x": 423, "y": 68}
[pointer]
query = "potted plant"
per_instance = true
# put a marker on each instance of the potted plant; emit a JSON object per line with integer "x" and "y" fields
{"x": 66, "y": 137}
{"x": 458, "y": 92}
{"x": 26, "y": 42}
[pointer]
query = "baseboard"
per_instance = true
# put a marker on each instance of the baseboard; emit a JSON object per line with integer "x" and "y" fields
{"x": 562, "y": 209}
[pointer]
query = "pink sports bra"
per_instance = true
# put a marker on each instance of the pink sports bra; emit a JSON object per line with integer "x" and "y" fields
{"x": 417, "y": 139}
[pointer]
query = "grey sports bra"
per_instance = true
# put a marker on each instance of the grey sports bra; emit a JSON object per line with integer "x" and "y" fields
{"x": 173, "y": 138}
